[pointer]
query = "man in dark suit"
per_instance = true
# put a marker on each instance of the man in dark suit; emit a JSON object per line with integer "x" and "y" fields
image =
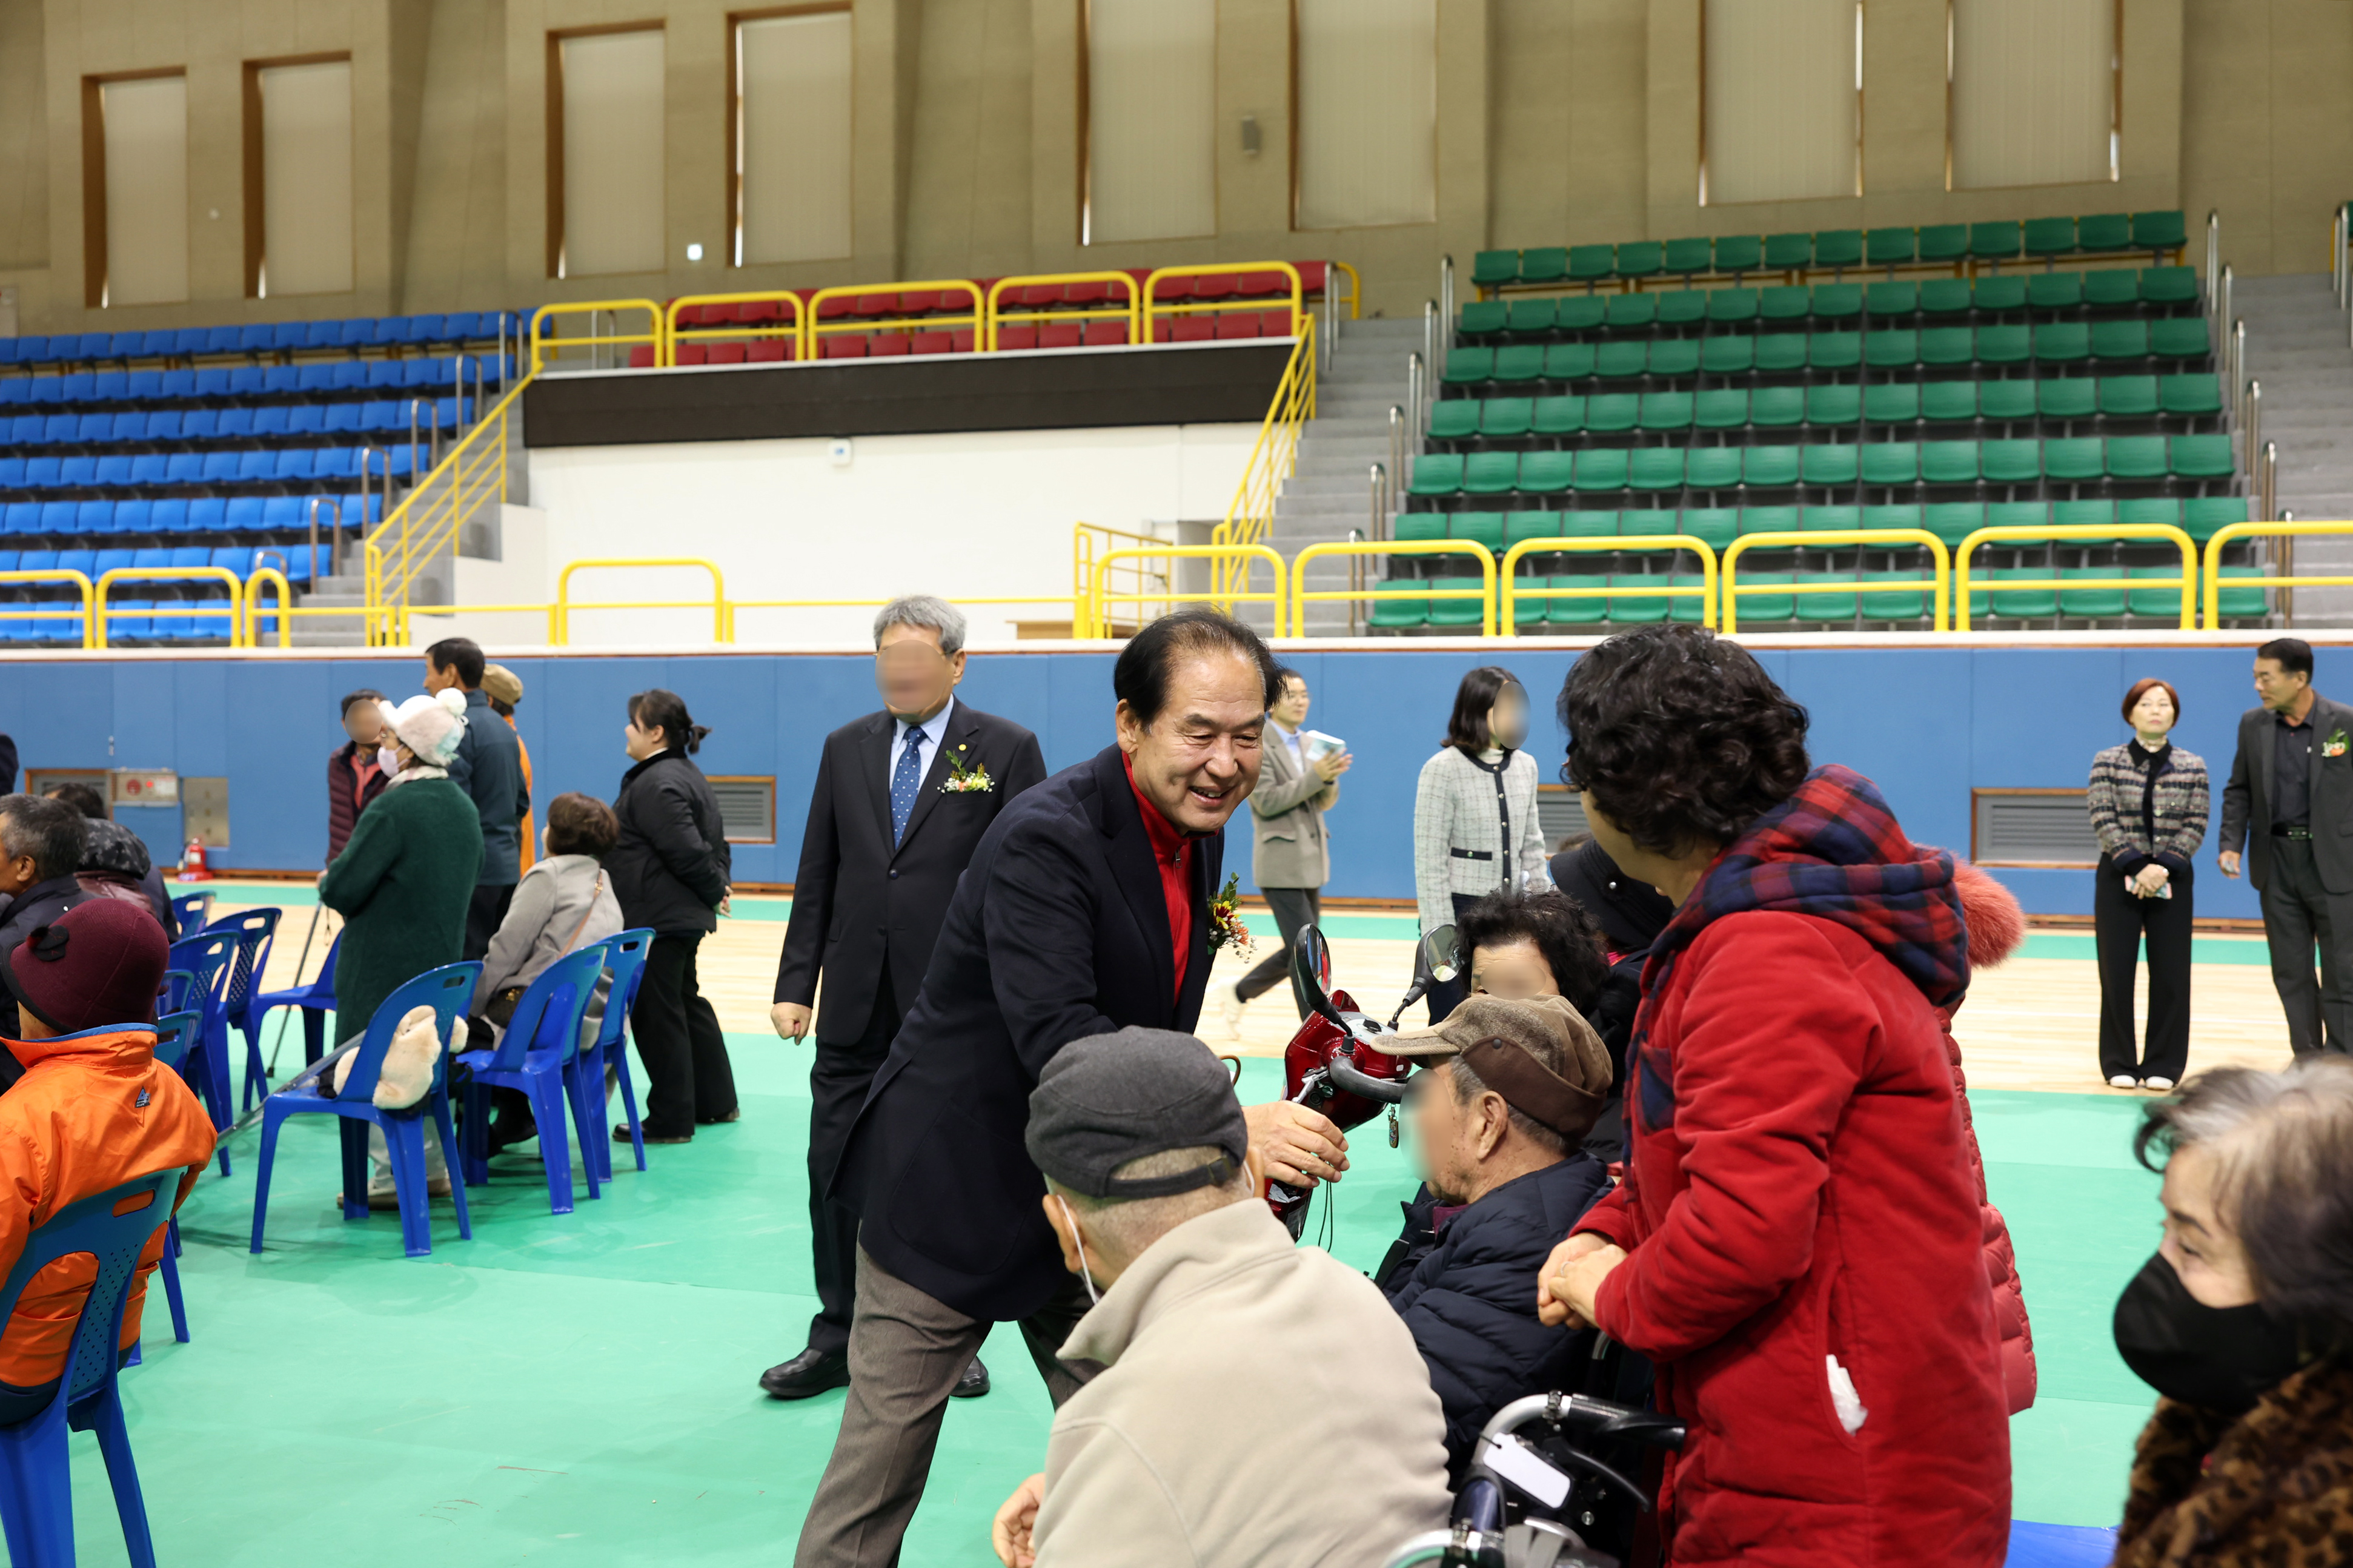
{"x": 2290, "y": 801}
{"x": 1090, "y": 906}
{"x": 488, "y": 768}
{"x": 902, "y": 798}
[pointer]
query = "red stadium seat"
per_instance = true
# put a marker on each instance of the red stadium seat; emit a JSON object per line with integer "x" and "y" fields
{"x": 1310, "y": 276}
{"x": 757, "y": 312}
{"x": 961, "y": 341}
{"x": 1106, "y": 334}
{"x": 877, "y": 305}
{"x": 930, "y": 343}
{"x": 1236, "y": 324}
{"x": 642, "y": 357}
{"x": 692, "y": 354}
{"x": 1037, "y": 296}
{"x": 1276, "y": 323}
{"x": 690, "y": 316}
{"x": 1059, "y": 335}
{"x": 845, "y": 345}
{"x": 888, "y": 345}
{"x": 726, "y": 353}
{"x": 834, "y": 309}
{"x": 769, "y": 351}
{"x": 1194, "y": 329}
{"x": 917, "y": 302}
{"x": 1009, "y": 338}
{"x": 1173, "y": 288}
{"x": 1214, "y": 286}
{"x": 1259, "y": 285}
{"x": 1095, "y": 293}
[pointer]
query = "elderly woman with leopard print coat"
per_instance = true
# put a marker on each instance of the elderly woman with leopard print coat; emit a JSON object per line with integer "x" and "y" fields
{"x": 2243, "y": 1322}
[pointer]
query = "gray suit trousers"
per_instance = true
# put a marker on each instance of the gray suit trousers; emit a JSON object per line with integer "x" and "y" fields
{"x": 2299, "y": 916}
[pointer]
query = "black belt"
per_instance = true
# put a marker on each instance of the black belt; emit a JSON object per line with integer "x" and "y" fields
{"x": 1472, "y": 854}
{"x": 2290, "y": 830}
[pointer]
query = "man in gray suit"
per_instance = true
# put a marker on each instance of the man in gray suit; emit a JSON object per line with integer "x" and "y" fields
{"x": 1290, "y": 859}
{"x": 2290, "y": 800}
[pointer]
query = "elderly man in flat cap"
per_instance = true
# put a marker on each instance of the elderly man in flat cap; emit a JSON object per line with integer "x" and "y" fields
{"x": 1202, "y": 1305}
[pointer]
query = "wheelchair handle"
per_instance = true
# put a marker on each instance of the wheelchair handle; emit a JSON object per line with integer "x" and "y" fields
{"x": 1348, "y": 1080}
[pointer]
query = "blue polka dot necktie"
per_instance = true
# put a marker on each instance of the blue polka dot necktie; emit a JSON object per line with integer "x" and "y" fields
{"x": 905, "y": 780}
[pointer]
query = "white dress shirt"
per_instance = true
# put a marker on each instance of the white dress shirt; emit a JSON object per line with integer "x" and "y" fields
{"x": 935, "y": 728}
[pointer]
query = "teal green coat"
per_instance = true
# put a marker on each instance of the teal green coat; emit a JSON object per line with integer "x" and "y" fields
{"x": 402, "y": 885}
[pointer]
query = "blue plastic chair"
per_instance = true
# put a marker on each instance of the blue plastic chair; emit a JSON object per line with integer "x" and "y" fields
{"x": 254, "y": 929}
{"x": 539, "y": 1053}
{"x": 316, "y": 999}
{"x": 447, "y": 991}
{"x": 175, "y": 1034}
{"x": 209, "y": 956}
{"x": 191, "y": 910}
{"x": 625, "y": 960}
{"x": 36, "y": 1472}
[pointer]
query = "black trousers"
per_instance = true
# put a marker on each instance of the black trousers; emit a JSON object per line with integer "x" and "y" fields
{"x": 688, "y": 1076}
{"x": 2299, "y": 916}
{"x": 2119, "y": 922}
{"x": 839, "y": 1079}
{"x": 484, "y": 914}
{"x": 1445, "y": 996}
{"x": 1294, "y": 909}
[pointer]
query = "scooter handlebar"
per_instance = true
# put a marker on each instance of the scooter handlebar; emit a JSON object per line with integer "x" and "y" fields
{"x": 1345, "y": 1077}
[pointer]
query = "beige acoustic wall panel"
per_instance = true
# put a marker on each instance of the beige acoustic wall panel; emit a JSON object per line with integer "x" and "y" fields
{"x": 1367, "y": 112}
{"x": 1783, "y": 93}
{"x": 2034, "y": 92}
{"x": 1152, "y": 114}
{"x": 306, "y": 179}
{"x": 613, "y": 153}
{"x": 146, "y": 124}
{"x": 792, "y": 139}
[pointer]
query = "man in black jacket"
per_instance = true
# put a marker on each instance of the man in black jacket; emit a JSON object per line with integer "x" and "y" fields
{"x": 1089, "y": 906}
{"x": 902, "y": 798}
{"x": 41, "y": 845}
{"x": 488, "y": 768}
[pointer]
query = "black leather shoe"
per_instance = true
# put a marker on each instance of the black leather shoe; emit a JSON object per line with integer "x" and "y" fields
{"x": 810, "y": 1373}
{"x": 972, "y": 1385}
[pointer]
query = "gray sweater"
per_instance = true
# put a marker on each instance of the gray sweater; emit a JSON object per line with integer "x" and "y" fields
{"x": 549, "y": 906}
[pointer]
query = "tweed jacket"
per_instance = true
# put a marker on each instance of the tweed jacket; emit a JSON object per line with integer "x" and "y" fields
{"x": 2181, "y": 805}
{"x": 1289, "y": 848}
{"x": 1474, "y": 831}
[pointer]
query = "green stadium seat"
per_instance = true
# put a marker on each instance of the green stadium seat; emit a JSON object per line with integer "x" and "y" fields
{"x": 1890, "y": 463}
{"x": 1640, "y": 259}
{"x": 1755, "y": 519}
{"x": 1490, "y": 267}
{"x": 1829, "y": 519}
{"x": 2159, "y": 230}
{"x": 1769, "y": 468}
{"x": 1557, "y": 417}
{"x": 1631, "y": 312}
{"x": 1666, "y": 411}
{"x": 1785, "y": 304}
{"x": 2019, "y": 514}
{"x": 1437, "y": 473}
{"x": 1484, "y": 318}
{"x": 1949, "y": 402}
{"x": 1778, "y": 408}
{"x": 1683, "y": 307}
{"x": 1781, "y": 352}
{"x": 1518, "y": 364}
{"x": 1531, "y": 318}
{"x": 1892, "y": 403}
{"x": 2178, "y": 336}
{"x": 1687, "y": 609}
{"x": 1504, "y": 418}
{"x": 2202, "y": 516}
{"x": 1642, "y": 605}
{"x": 1764, "y": 609}
{"x": 1545, "y": 473}
{"x": 1943, "y": 347}
{"x": 1528, "y": 609}
{"x": 1833, "y": 405}
{"x": 1993, "y": 242}
{"x": 2162, "y": 603}
{"x": 1674, "y": 359}
{"x": 1823, "y": 609}
{"x": 2131, "y": 396}
{"x": 1836, "y": 247}
{"x": 2049, "y": 236}
{"x": 1421, "y": 525}
{"x": 2103, "y": 231}
{"x": 1830, "y": 351}
{"x": 1625, "y": 361}
{"x": 2111, "y": 289}
{"x": 1899, "y": 515}
{"x": 1712, "y": 469}
{"x": 2164, "y": 510}
{"x": 1455, "y": 420}
{"x": 1737, "y": 253}
{"x": 1655, "y": 469}
{"x": 1569, "y": 361}
{"x": 1838, "y": 301}
{"x": 1831, "y": 464}
{"x": 1996, "y": 345}
{"x": 1721, "y": 408}
{"x": 2067, "y": 397}
{"x": 2200, "y": 456}
{"x": 1788, "y": 252}
{"x": 1900, "y": 300}
{"x": 1949, "y": 462}
{"x": 2007, "y": 462}
{"x": 1612, "y": 413}
{"x": 1550, "y": 263}
{"x": 1469, "y": 366}
{"x": 2005, "y": 295}
{"x": 1944, "y": 241}
{"x": 1731, "y": 306}
{"x": 1689, "y": 255}
{"x": 1585, "y": 263}
{"x": 2136, "y": 457}
{"x": 1519, "y": 527}
{"x": 1588, "y": 524}
{"x": 2086, "y": 514}
{"x": 1601, "y": 469}
{"x": 1582, "y": 611}
{"x": 2244, "y": 602}
{"x": 1953, "y": 521}
{"x": 2168, "y": 286}
{"x": 2005, "y": 402}
{"x": 1582, "y": 313}
{"x": 2190, "y": 396}
{"x": 1650, "y": 521}
{"x": 1715, "y": 526}
{"x": 2055, "y": 290}
{"x": 1734, "y": 354}
{"x": 2021, "y": 604}
{"x": 2071, "y": 462}
{"x": 1888, "y": 246}
{"x": 1906, "y": 601}
{"x": 2121, "y": 340}
{"x": 1480, "y": 528}
{"x": 1400, "y": 615}
{"x": 2091, "y": 604}
{"x": 1491, "y": 474}
{"x": 1947, "y": 296}
{"x": 1895, "y": 348}
{"x": 1457, "y": 612}
{"x": 2060, "y": 342}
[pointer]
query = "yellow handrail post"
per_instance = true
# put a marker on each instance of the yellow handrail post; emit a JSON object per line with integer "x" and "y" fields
{"x": 2223, "y": 535}
{"x": 559, "y": 614}
{"x": 672, "y": 334}
{"x": 76, "y": 580}
{"x": 996, "y": 315}
{"x": 1486, "y": 593}
{"x": 1249, "y": 517}
{"x": 1207, "y": 269}
{"x": 2096, "y": 531}
{"x": 253, "y": 587}
{"x": 106, "y": 580}
{"x": 1507, "y": 574}
{"x": 1238, "y": 554}
{"x": 1728, "y": 616}
{"x": 653, "y": 334}
{"x": 814, "y": 327}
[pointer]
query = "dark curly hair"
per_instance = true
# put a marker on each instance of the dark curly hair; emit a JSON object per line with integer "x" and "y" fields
{"x": 1680, "y": 736}
{"x": 1569, "y": 936}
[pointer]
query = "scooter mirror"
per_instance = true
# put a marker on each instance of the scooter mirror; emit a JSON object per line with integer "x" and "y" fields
{"x": 1310, "y": 967}
{"x": 1439, "y": 958}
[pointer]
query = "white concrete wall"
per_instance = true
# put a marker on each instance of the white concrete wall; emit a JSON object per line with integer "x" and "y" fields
{"x": 964, "y": 516}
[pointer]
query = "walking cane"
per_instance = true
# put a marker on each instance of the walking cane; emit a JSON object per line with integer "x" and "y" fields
{"x": 271, "y": 1070}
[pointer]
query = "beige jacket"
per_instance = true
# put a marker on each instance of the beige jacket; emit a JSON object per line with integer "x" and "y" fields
{"x": 1288, "y": 844}
{"x": 1168, "y": 1458}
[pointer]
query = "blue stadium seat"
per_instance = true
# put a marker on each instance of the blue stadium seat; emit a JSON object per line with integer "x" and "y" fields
{"x": 78, "y": 473}
{"x": 256, "y": 466}
{"x": 75, "y": 388}
{"x": 38, "y": 561}
{"x": 209, "y": 514}
{"x": 423, "y": 330}
{"x": 215, "y": 381}
{"x": 244, "y": 515}
{"x": 287, "y": 336}
{"x": 12, "y": 473}
{"x": 311, "y": 379}
{"x": 356, "y": 333}
{"x": 235, "y": 423}
{"x": 94, "y": 517}
{"x": 58, "y": 518}
{"x": 191, "y": 556}
{"x": 248, "y": 381}
{"x": 41, "y": 473}
{"x": 279, "y": 513}
{"x": 150, "y": 555}
{"x": 177, "y": 384}
{"x": 225, "y": 339}
{"x": 83, "y": 560}
{"x": 281, "y": 380}
{"x": 199, "y": 424}
{"x": 134, "y": 517}
{"x": 391, "y": 331}
{"x": 306, "y": 419}
{"x": 109, "y": 386}
{"x": 150, "y": 468}
{"x": 162, "y": 425}
{"x": 60, "y": 429}
{"x": 384, "y": 375}
{"x": 293, "y": 463}
{"x": 167, "y": 516}
{"x": 27, "y": 430}
{"x": 22, "y": 517}
{"x": 237, "y": 558}
{"x": 8, "y": 560}
{"x": 144, "y": 385}
{"x": 114, "y": 471}
{"x": 16, "y": 391}
{"x": 383, "y": 416}
{"x": 125, "y": 426}
{"x": 349, "y": 375}
{"x": 184, "y": 469}
{"x": 271, "y": 420}
{"x": 342, "y": 418}
{"x": 47, "y": 392}
{"x": 336, "y": 463}
{"x": 189, "y": 342}
{"x": 94, "y": 429}
{"x": 421, "y": 374}
{"x": 127, "y": 620}
{"x": 220, "y": 468}
{"x": 323, "y": 335}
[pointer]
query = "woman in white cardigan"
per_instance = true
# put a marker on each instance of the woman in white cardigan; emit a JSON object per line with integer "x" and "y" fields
{"x": 1474, "y": 815}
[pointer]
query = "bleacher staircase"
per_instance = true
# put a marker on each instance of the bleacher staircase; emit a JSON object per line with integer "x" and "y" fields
{"x": 2296, "y": 349}
{"x": 1329, "y": 492}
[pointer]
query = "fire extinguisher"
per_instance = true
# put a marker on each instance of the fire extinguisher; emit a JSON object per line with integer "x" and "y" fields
{"x": 191, "y": 863}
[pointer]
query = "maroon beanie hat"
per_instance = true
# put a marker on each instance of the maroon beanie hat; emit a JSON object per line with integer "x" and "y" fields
{"x": 100, "y": 963}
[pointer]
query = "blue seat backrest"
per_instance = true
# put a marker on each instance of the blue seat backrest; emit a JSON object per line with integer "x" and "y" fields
{"x": 183, "y": 467}
{"x": 110, "y": 386}
{"x": 207, "y": 514}
{"x": 447, "y": 991}
{"x": 8, "y": 560}
{"x": 94, "y": 517}
{"x": 24, "y": 516}
{"x": 168, "y": 516}
{"x": 548, "y": 1016}
{"x": 199, "y": 424}
{"x": 191, "y": 556}
{"x": 288, "y": 334}
{"x": 177, "y": 384}
{"x": 248, "y": 381}
{"x": 244, "y": 514}
{"x": 82, "y": 561}
{"x": 113, "y": 1240}
{"x": 38, "y": 561}
{"x": 96, "y": 428}
{"x": 234, "y": 421}
{"x": 144, "y": 385}
{"x": 271, "y": 420}
{"x": 114, "y": 470}
{"x": 280, "y": 513}
{"x": 281, "y": 379}
{"x": 215, "y": 381}
{"x": 320, "y": 378}
{"x": 116, "y": 561}
{"x": 322, "y": 334}
{"x": 164, "y": 423}
{"x": 153, "y": 555}
{"x": 134, "y": 517}
{"x": 237, "y": 558}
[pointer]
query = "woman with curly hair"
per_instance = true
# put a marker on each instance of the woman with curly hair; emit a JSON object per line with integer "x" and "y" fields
{"x": 1796, "y": 1245}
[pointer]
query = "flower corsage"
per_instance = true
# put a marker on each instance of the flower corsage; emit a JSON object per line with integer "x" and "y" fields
{"x": 966, "y": 778}
{"x": 2335, "y": 746}
{"x": 1225, "y": 927}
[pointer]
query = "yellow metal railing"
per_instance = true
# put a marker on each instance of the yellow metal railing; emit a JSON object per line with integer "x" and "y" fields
{"x": 1088, "y": 540}
{"x": 559, "y": 614}
{"x": 1299, "y": 594}
{"x": 1235, "y": 589}
{"x": 40, "y": 611}
{"x": 1511, "y": 593}
{"x": 1154, "y": 309}
{"x": 2101, "y": 531}
{"x": 793, "y": 326}
{"x": 436, "y": 507}
{"x": 1251, "y": 516}
{"x": 1356, "y": 285}
{"x": 1828, "y": 538}
{"x": 2213, "y": 574}
{"x": 100, "y": 611}
{"x": 269, "y": 577}
{"x": 541, "y": 344}
{"x": 1038, "y": 315}
{"x": 814, "y": 326}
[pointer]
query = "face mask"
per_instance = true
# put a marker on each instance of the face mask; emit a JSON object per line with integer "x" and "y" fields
{"x": 2221, "y": 1358}
{"x": 387, "y": 759}
{"x": 1085, "y": 1273}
